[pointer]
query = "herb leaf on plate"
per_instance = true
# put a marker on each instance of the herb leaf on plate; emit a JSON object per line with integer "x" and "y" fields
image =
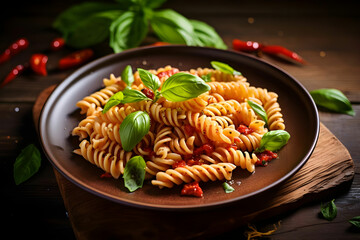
{"x": 259, "y": 110}
{"x": 273, "y": 140}
{"x": 113, "y": 101}
{"x": 134, "y": 173}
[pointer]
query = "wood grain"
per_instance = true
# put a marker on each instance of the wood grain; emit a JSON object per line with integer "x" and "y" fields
{"x": 93, "y": 217}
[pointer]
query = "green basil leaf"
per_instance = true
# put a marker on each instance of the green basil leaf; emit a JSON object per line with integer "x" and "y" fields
{"x": 259, "y": 110}
{"x": 134, "y": 127}
{"x": 227, "y": 188}
{"x": 127, "y": 75}
{"x": 150, "y": 80}
{"x": 207, "y": 36}
{"x": 183, "y": 86}
{"x": 154, "y": 3}
{"x": 128, "y": 30}
{"x": 329, "y": 210}
{"x": 134, "y": 173}
{"x": 207, "y": 77}
{"x": 273, "y": 140}
{"x": 27, "y": 164}
{"x": 355, "y": 221}
{"x": 333, "y": 100}
{"x": 71, "y": 17}
{"x": 113, "y": 101}
{"x": 172, "y": 27}
{"x": 132, "y": 95}
{"x": 224, "y": 68}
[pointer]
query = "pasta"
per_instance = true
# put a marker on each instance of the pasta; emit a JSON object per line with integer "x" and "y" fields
{"x": 201, "y": 139}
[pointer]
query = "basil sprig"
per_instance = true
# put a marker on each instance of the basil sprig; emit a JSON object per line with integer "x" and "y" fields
{"x": 127, "y": 22}
{"x": 333, "y": 100}
{"x": 150, "y": 80}
{"x": 259, "y": 110}
{"x": 273, "y": 140}
{"x": 329, "y": 210}
{"x": 227, "y": 188}
{"x": 225, "y": 68}
{"x": 114, "y": 100}
{"x": 134, "y": 173}
{"x": 27, "y": 164}
{"x": 134, "y": 127}
{"x": 127, "y": 75}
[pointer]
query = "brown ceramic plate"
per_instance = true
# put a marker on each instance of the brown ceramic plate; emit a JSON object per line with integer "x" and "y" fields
{"x": 60, "y": 115}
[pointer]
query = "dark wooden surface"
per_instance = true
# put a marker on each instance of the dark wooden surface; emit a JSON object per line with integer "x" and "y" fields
{"x": 325, "y": 33}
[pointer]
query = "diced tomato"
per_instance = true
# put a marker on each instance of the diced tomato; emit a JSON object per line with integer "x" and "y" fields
{"x": 204, "y": 149}
{"x": 244, "y": 129}
{"x": 180, "y": 163}
{"x": 265, "y": 157}
{"x": 192, "y": 189}
{"x": 168, "y": 73}
{"x": 106, "y": 175}
{"x": 148, "y": 92}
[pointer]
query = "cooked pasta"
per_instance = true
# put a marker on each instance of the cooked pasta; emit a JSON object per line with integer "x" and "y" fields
{"x": 199, "y": 139}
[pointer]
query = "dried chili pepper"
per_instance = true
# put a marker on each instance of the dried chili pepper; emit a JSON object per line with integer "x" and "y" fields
{"x": 57, "y": 44}
{"x": 38, "y": 63}
{"x": 13, "y": 74}
{"x": 281, "y": 51}
{"x": 13, "y": 49}
{"x": 75, "y": 58}
{"x": 246, "y": 46}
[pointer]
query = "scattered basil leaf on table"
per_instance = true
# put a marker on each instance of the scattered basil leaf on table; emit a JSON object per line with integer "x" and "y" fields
{"x": 273, "y": 140}
{"x": 227, "y": 188}
{"x": 259, "y": 110}
{"x": 183, "y": 86}
{"x": 113, "y": 101}
{"x": 132, "y": 95}
{"x": 150, "y": 80}
{"x": 128, "y": 30}
{"x": 329, "y": 210}
{"x": 332, "y": 99}
{"x": 134, "y": 173}
{"x": 206, "y": 35}
{"x": 127, "y": 75}
{"x": 355, "y": 221}
{"x": 27, "y": 164}
{"x": 134, "y": 127}
{"x": 225, "y": 68}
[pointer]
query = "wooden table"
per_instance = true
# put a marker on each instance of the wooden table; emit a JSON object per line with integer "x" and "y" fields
{"x": 326, "y": 34}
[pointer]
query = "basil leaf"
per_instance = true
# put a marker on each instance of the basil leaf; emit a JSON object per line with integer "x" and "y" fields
{"x": 206, "y": 35}
{"x": 134, "y": 173}
{"x": 225, "y": 68}
{"x": 172, "y": 27}
{"x": 355, "y": 221}
{"x": 207, "y": 77}
{"x": 113, "y": 101}
{"x": 132, "y": 95}
{"x": 332, "y": 99}
{"x": 71, "y": 17}
{"x": 273, "y": 140}
{"x": 154, "y": 3}
{"x": 27, "y": 164}
{"x": 227, "y": 188}
{"x": 183, "y": 86}
{"x": 329, "y": 210}
{"x": 127, "y": 75}
{"x": 259, "y": 110}
{"x": 134, "y": 127}
{"x": 128, "y": 30}
{"x": 150, "y": 80}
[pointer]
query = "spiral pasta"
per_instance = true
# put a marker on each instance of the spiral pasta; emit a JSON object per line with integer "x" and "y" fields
{"x": 200, "y": 139}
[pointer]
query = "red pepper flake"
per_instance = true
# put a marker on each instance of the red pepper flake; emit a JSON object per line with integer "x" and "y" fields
{"x": 106, "y": 175}
{"x": 38, "y": 63}
{"x": 192, "y": 189}
{"x": 57, "y": 44}
{"x": 75, "y": 59}
{"x": 243, "y": 129}
{"x": 265, "y": 157}
{"x": 168, "y": 73}
{"x": 14, "y": 49}
{"x": 148, "y": 92}
{"x": 13, "y": 74}
{"x": 180, "y": 163}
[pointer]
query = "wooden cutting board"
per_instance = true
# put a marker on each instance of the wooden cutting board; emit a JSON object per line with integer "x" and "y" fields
{"x": 329, "y": 169}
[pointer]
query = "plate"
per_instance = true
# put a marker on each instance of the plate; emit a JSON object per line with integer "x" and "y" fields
{"x": 60, "y": 115}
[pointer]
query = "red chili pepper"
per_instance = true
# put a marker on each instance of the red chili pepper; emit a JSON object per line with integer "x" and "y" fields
{"x": 75, "y": 58}
{"x": 192, "y": 189}
{"x": 279, "y": 50}
{"x": 38, "y": 63}
{"x": 13, "y": 74}
{"x": 57, "y": 44}
{"x": 247, "y": 46}
{"x": 13, "y": 49}
{"x": 159, "y": 44}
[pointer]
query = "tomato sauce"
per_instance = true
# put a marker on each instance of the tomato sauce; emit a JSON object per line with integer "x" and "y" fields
{"x": 265, "y": 157}
{"x": 168, "y": 73}
{"x": 244, "y": 129}
{"x": 192, "y": 189}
